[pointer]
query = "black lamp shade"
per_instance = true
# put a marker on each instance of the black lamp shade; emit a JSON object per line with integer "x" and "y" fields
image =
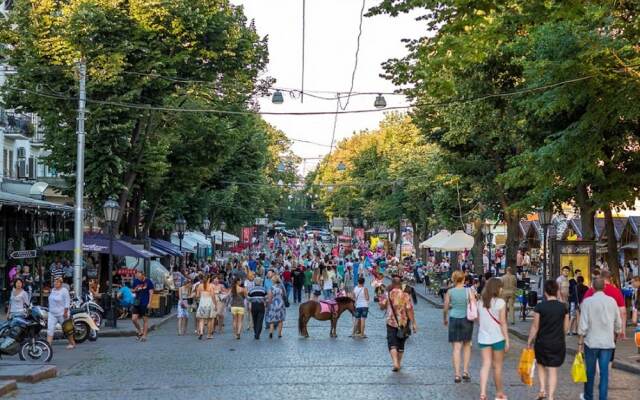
{"x": 544, "y": 216}
{"x": 380, "y": 102}
{"x": 181, "y": 225}
{"x": 206, "y": 224}
{"x": 111, "y": 210}
{"x": 341, "y": 166}
{"x": 223, "y": 225}
{"x": 277, "y": 97}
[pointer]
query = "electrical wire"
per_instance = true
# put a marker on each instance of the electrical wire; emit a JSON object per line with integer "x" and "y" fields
{"x": 335, "y": 124}
{"x": 307, "y": 113}
{"x": 355, "y": 63}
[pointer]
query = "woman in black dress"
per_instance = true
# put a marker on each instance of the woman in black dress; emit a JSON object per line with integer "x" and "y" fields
{"x": 547, "y": 335}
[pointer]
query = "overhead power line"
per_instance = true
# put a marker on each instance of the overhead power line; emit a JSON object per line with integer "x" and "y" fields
{"x": 307, "y": 113}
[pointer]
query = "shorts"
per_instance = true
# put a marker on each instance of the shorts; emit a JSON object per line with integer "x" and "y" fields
{"x": 498, "y": 346}
{"x": 362, "y": 312}
{"x": 393, "y": 342}
{"x": 52, "y": 321}
{"x": 237, "y": 310}
{"x": 307, "y": 289}
{"x": 141, "y": 310}
{"x": 573, "y": 310}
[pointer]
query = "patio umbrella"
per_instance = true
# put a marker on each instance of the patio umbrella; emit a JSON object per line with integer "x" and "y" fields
{"x": 98, "y": 243}
{"x": 435, "y": 240}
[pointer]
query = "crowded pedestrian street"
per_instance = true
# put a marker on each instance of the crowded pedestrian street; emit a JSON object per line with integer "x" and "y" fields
{"x": 170, "y": 367}
{"x": 320, "y": 199}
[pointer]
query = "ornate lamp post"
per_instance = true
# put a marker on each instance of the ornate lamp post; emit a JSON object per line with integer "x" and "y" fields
{"x": 488, "y": 237}
{"x": 37, "y": 237}
{"x": 111, "y": 210}
{"x": 544, "y": 217}
{"x": 181, "y": 227}
{"x": 223, "y": 226}
{"x": 206, "y": 229}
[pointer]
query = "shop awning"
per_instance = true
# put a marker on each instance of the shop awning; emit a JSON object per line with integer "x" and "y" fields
{"x": 98, "y": 243}
{"x": 167, "y": 247}
{"x": 27, "y": 202}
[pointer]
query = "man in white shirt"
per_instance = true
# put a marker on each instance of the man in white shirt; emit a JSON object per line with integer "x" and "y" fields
{"x": 599, "y": 324}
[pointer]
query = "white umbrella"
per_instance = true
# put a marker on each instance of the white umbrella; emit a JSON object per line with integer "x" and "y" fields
{"x": 435, "y": 240}
{"x": 459, "y": 241}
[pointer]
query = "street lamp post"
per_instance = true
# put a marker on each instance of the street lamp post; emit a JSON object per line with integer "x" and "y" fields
{"x": 111, "y": 211}
{"x": 181, "y": 227}
{"x": 223, "y": 226}
{"x": 206, "y": 229}
{"x": 544, "y": 217}
{"x": 486, "y": 230}
{"x": 37, "y": 237}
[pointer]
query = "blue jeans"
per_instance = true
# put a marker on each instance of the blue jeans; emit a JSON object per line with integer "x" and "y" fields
{"x": 288, "y": 287}
{"x": 602, "y": 357}
{"x": 327, "y": 294}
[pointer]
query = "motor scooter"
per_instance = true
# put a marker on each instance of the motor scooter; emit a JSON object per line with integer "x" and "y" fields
{"x": 83, "y": 326}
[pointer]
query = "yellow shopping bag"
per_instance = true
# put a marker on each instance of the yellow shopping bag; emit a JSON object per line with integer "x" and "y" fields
{"x": 579, "y": 369}
{"x": 527, "y": 366}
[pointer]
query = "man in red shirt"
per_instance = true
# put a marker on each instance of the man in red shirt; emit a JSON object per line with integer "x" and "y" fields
{"x": 615, "y": 293}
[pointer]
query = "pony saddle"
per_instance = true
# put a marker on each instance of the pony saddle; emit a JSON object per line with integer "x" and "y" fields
{"x": 328, "y": 306}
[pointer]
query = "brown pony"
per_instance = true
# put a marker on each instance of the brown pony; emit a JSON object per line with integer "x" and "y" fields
{"x": 311, "y": 309}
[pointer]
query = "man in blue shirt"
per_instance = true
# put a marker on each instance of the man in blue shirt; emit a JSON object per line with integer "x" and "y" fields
{"x": 252, "y": 264}
{"x": 143, "y": 289}
{"x": 125, "y": 295}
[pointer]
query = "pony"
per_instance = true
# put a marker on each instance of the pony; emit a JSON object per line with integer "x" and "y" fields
{"x": 313, "y": 309}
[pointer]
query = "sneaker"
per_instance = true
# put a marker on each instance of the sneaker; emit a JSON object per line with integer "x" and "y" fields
{"x": 582, "y": 396}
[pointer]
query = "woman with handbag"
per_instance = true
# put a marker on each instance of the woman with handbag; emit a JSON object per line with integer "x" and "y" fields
{"x": 276, "y": 311}
{"x": 459, "y": 312}
{"x": 493, "y": 338}
{"x": 400, "y": 320}
{"x": 547, "y": 337}
{"x": 59, "y": 311}
{"x": 184, "y": 293}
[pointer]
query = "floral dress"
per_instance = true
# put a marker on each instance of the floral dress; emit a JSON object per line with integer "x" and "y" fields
{"x": 277, "y": 310}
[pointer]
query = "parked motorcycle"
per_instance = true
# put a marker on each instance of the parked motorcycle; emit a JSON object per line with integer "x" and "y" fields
{"x": 21, "y": 335}
{"x": 83, "y": 325}
{"x": 91, "y": 307}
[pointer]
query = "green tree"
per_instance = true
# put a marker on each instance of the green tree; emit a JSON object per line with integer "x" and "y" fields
{"x": 180, "y": 54}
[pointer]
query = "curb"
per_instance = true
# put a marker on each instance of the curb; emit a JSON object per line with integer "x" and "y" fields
{"x": 133, "y": 332}
{"x": 40, "y": 374}
{"x": 7, "y": 387}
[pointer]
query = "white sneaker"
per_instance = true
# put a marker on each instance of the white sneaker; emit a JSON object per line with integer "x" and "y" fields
{"x": 582, "y": 396}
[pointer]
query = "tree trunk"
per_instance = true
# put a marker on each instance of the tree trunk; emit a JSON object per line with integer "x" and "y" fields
{"x": 416, "y": 237}
{"x": 141, "y": 131}
{"x": 478, "y": 247}
{"x": 612, "y": 247}
{"x": 587, "y": 213}
{"x": 512, "y": 219}
{"x": 146, "y": 230}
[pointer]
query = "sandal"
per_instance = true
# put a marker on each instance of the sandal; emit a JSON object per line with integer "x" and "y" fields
{"x": 457, "y": 379}
{"x": 483, "y": 397}
{"x": 466, "y": 377}
{"x": 541, "y": 396}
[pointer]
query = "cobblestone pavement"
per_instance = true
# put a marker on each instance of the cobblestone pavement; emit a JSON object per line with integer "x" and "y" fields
{"x": 172, "y": 367}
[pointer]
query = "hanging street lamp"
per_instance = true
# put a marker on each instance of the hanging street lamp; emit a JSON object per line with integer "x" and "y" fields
{"x": 277, "y": 97}
{"x": 380, "y": 102}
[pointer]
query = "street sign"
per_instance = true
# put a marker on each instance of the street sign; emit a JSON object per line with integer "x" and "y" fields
{"x": 24, "y": 254}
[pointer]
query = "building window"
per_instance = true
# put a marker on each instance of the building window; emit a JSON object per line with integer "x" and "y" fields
{"x": 10, "y": 164}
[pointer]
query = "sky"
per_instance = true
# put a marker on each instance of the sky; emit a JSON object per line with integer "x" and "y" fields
{"x": 331, "y": 37}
